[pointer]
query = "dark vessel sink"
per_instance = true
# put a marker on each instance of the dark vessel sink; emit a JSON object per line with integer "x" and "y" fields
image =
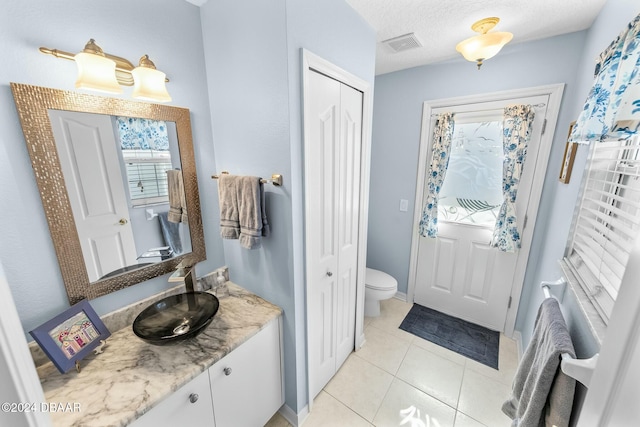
{"x": 176, "y": 318}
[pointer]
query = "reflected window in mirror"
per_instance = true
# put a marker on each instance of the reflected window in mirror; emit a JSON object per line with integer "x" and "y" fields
{"x": 145, "y": 151}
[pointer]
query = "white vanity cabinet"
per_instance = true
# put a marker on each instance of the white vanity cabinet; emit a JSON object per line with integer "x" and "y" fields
{"x": 247, "y": 384}
{"x": 243, "y": 389}
{"x": 189, "y": 406}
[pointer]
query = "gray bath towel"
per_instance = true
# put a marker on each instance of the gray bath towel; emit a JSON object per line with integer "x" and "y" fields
{"x": 542, "y": 393}
{"x": 242, "y": 210}
{"x": 177, "y": 199}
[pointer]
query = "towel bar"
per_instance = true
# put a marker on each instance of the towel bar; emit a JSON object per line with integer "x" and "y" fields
{"x": 578, "y": 369}
{"x": 276, "y": 179}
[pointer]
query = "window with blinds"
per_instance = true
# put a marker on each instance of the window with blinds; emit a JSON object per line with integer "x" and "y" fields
{"x": 147, "y": 176}
{"x": 607, "y": 221}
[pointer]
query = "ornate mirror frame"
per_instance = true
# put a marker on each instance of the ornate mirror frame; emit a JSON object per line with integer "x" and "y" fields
{"x": 33, "y": 103}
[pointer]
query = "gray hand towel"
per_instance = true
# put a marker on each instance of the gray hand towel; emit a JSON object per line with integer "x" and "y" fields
{"x": 242, "y": 210}
{"x": 228, "y": 199}
{"x": 177, "y": 199}
{"x": 542, "y": 393}
{"x": 251, "y": 213}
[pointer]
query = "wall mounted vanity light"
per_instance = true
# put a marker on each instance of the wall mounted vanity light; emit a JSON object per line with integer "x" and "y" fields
{"x": 486, "y": 45}
{"x": 104, "y": 72}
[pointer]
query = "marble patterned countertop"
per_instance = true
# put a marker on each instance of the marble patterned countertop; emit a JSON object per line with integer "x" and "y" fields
{"x": 120, "y": 385}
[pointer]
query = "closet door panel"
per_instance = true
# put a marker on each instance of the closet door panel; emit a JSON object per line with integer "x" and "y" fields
{"x": 323, "y": 115}
{"x": 347, "y": 215}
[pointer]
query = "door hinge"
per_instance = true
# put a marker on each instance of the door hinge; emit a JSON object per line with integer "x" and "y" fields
{"x": 509, "y": 304}
{"x": 544, "y": 126}
{"x": 524, "y": 223}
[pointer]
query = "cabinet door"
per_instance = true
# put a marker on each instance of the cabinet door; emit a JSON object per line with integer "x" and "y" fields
{"x": 178, "y": 410}
{"x": 247, "y": 383}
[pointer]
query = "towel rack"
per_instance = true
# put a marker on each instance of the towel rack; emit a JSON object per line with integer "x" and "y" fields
{"x": 276, "y": 179}
{"x": 579, "y": 369}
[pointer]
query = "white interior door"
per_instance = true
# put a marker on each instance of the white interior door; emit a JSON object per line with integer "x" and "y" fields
{"x": 348, "y": 216}
{"x": 458, "y": 273}
{"x": 89, "y": 158}
{"x": 333, "y": 118}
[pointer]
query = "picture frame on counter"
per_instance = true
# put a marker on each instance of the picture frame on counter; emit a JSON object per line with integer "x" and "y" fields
{"x": 71, "y": 335}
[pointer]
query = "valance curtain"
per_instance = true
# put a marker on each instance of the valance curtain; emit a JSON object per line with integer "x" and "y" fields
{"x": 517, "y": 125}
{"x": 441, "y": 148}
{"x": 612, "y": 109}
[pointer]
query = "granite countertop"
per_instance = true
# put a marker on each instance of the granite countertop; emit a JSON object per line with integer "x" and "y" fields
{"x": 120, "y": 385}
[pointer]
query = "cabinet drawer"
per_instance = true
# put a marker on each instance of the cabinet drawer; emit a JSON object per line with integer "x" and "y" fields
{"x": 246, "y": 384}
{"x": 177, "y": 409}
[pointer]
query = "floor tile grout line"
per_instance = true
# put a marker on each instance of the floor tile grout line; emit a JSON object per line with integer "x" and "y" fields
{"x": 424, "y": 392}
{"x": 347, "y": 406}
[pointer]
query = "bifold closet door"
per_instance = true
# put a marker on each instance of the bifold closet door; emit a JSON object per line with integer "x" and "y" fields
{"x": 332, "y": 175}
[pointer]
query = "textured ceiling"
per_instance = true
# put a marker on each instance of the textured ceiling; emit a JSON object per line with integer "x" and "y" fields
{"x": 441, "y": 24}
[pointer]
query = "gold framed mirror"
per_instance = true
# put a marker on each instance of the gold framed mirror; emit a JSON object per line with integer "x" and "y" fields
{"x": 35, "y": 106}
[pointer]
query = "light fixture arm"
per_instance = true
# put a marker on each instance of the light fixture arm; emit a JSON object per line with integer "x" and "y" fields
{"x": 123, "y": 65}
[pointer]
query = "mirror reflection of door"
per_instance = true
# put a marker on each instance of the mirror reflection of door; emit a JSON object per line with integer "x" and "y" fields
{"x": 117, "y": 187}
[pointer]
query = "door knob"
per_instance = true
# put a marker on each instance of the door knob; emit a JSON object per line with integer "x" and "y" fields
{"x": 123, "y": 221}
{"x": 329, "y": 274}
{"x": 227, "y": 371}
{"x": 193, "y": 397}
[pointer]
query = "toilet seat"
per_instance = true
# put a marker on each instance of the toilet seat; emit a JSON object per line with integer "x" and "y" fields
{"x": 379, "y": 280}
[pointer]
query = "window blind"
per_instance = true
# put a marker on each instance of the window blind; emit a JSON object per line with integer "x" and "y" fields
{"x": 147, "y": 181}
{"x": 607, "y": 221}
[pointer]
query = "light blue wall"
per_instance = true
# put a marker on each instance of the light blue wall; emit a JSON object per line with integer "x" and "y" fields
{"x": 253, "y": 67}
{"x": 396, "y": 135}
{"x": 167, "y": 30}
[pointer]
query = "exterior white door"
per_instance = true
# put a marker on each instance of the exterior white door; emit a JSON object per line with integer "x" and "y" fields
{"x": 332, "y": 174}
{"x": 458, "y": 273}
{"x": 89, "y": 158}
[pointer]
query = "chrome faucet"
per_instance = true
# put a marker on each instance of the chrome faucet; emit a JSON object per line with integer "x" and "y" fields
{"x": 184, "y": 274}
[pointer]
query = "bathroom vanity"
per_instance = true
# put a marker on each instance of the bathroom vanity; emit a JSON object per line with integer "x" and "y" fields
{"x": 230, "y": 375}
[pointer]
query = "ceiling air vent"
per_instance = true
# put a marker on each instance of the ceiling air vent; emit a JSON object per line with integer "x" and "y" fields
{"x": 402, "y": 43}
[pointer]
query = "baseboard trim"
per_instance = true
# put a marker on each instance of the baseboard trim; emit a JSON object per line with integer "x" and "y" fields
{"x": 292, "y": 418}
{"x": 517, "y": 336}
{"x": 402, "y": 296}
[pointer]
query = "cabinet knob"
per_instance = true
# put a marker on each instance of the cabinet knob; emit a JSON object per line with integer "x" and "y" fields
{"x": 193, "y": 397}
{"x": 227, "y": 371}
{"x": 329, "y": 274}
{"x": 123, "y": 221}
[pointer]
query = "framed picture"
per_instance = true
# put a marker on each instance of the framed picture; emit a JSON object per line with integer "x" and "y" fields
{"x": 71, "y": 335}
{"x": 568, "y": 158}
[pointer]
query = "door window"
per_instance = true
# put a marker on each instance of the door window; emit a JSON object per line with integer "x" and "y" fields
{"x": 472, "y": 188}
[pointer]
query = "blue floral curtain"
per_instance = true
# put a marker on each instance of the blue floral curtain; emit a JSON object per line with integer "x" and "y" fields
{"x": 517, "y": 124}
{"x": 612, "y": 109}
{"x": 441, "y": 148}
{"x": 142, "y": 134}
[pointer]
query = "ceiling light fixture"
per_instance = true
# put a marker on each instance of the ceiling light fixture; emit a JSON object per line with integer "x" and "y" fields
{"x": 104, "y": 72}
{"x": 487, "y": 45}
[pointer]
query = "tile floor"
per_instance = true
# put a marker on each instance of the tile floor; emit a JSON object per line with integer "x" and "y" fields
{"x": 400, "y": 379}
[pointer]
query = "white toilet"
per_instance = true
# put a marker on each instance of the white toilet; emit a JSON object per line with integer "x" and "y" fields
{"x": 378, "y": 286}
